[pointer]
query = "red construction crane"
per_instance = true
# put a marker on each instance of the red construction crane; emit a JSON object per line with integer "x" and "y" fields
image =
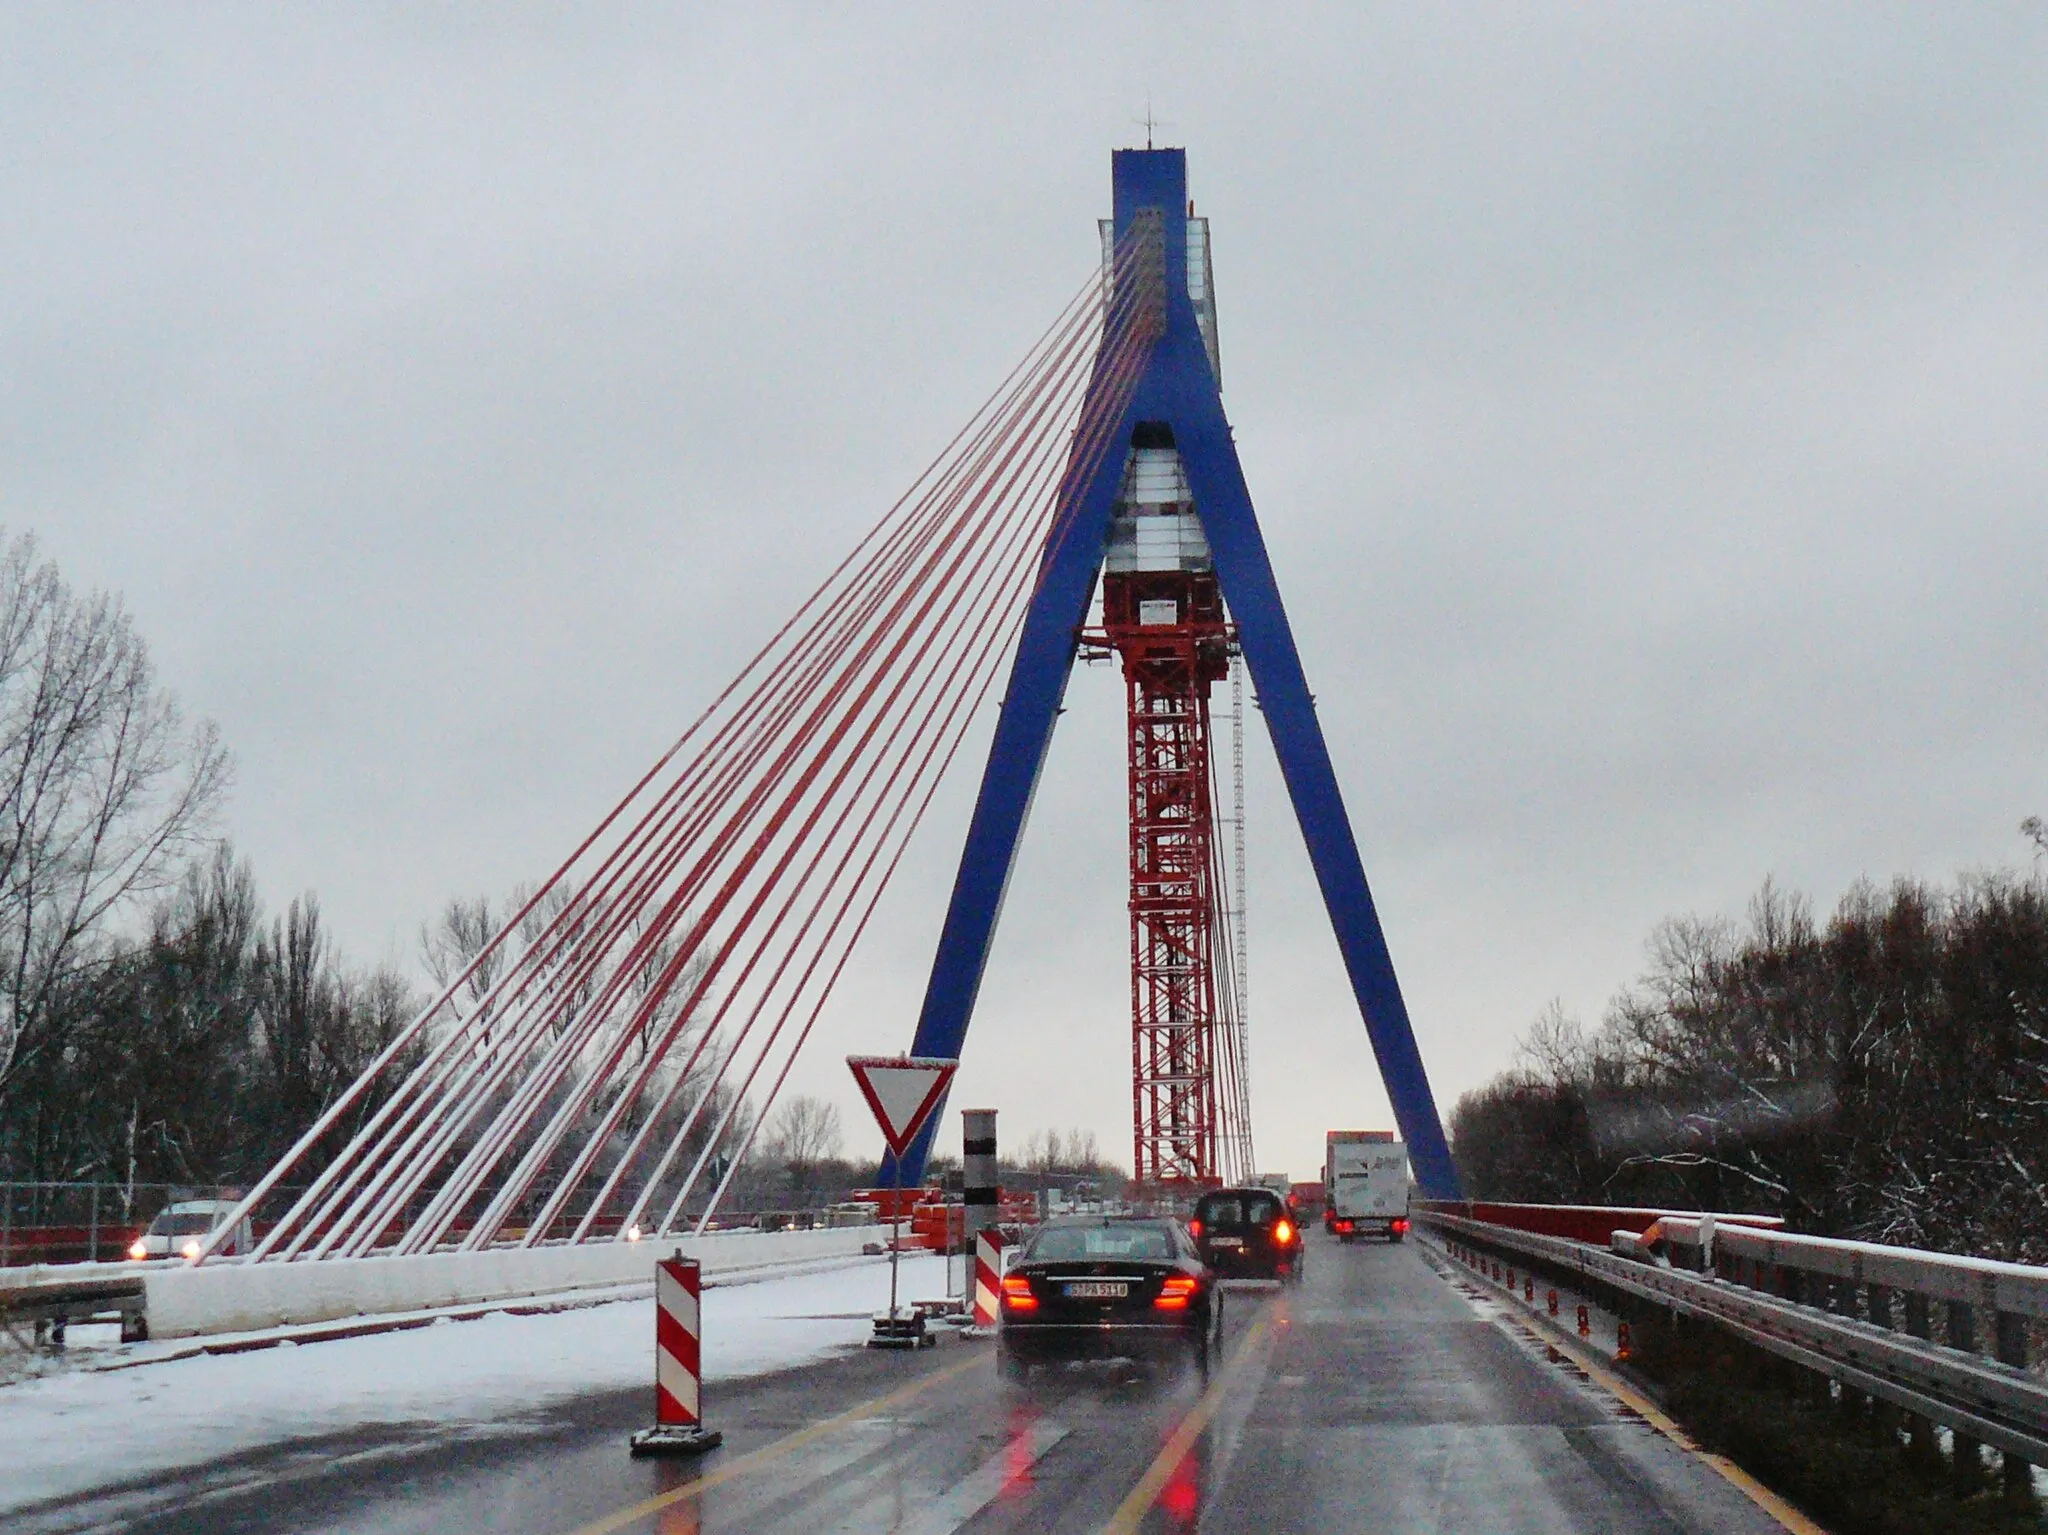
{"x": 1163, "y": 617}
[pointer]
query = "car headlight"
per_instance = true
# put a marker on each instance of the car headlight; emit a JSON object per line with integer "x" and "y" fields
{"x": 138, "y": 1248}
{"x": 191, "y": 1251}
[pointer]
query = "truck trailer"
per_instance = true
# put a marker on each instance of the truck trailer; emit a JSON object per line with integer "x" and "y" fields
{"x": 1365, "y": 1185}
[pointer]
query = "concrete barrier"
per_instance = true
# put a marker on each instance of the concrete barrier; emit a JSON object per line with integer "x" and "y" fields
{"x": 218, "y": 1297}
{"x": 30, "y": 1276}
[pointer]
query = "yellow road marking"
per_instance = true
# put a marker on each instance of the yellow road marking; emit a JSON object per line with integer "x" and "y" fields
{"x": 769, "y": 1452}
{"x": 1603, "y": 1377}
{"x": 1131, "y": 1512}
{"x": 1744, "y": 1483}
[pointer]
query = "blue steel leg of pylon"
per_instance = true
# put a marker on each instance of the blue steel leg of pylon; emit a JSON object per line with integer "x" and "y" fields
{"x": 1178, "y": 389}
{"x": 1269, "y": 651}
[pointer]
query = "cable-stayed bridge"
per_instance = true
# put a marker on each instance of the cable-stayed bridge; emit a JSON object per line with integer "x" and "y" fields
{"x": 598, "y": 1069}
{"x": 577, "y": 1099}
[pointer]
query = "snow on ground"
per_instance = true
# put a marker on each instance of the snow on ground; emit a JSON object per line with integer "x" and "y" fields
{"x": 79, "y": 1429}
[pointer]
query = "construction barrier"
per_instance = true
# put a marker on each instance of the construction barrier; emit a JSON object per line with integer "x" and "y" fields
{"x": 988, "y": 1275}
{"x": 678, "y": 1364}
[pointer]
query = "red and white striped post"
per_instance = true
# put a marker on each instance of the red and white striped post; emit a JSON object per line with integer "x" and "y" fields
{"x": 678, "y": 1365}
{"x": 988, "y": 1276}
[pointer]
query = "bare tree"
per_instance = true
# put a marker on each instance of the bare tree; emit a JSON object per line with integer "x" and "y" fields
{"x": 301, "y": 1007}
{"x": 1057, "y": 1151}
{"x": 1083, "y": 1153}
{"x": 1555, "y": 1048}
{"x": 103, "y": 788}
{"x": 2035, "y": 830}
{"x": 450, "y": 943}
{"x": 1880, "y": 1076}
{"x": 803, "y": 1132}
{"x": 1039, "y": 1151}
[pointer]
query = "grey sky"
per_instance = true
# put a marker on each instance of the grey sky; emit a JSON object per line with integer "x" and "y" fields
{"x": 1643, "y": 406}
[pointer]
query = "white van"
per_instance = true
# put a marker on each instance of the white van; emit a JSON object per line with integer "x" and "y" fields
{"x": 180, "y": 1230}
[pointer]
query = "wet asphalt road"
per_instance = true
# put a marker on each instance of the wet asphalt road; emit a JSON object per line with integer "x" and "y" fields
{"x": 1376, "y": 1396}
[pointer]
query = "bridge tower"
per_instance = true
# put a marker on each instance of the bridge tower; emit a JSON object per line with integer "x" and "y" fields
{"x": 1174, "y": 408}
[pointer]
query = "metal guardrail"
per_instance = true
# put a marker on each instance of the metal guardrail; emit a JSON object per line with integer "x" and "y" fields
{"x": 1996, "y": 1403}
{"x": 2010, "y": 1289}
{"x": 51, "y": 1305}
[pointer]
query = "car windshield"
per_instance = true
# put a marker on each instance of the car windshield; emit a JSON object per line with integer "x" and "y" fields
{"x": 1121, "y": 1241}
{"x": 183, "y": 1224}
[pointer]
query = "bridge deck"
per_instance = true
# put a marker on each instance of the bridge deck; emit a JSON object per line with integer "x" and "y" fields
{"x": 1374, "y": 1397}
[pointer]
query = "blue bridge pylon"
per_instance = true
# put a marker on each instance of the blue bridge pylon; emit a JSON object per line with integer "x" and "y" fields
{"x": 1180, "y": 391}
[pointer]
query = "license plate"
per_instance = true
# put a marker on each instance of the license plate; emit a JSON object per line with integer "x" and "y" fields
{"x": 1226, "y": 1241}
{"x": 1097, "y": 1289}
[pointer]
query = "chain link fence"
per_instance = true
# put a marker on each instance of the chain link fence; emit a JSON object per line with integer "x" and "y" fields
{"x": 86, "y": 1222}
{"x": 97, "y": 1222}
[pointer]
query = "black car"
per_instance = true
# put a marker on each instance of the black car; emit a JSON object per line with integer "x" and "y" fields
{"x": 1114, "y": 1287}
{"x": 1247, "y": 1234}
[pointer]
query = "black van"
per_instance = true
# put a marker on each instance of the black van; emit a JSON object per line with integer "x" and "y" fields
{"x": 1247, "y": 1234}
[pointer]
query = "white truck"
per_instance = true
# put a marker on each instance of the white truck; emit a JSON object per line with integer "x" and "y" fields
{"x": 1365, "y": 1185}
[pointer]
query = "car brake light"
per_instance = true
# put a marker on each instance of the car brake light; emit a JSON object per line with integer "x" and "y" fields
{"x": 1283, "y": 1232}
{"x": 1400, "y": 1227}
{"x": 1195, "y": 1230}
{"x": 1017, "y": 1294}
{"x": 1176, "y": 1292}
{"x": 1343, "y": 1225}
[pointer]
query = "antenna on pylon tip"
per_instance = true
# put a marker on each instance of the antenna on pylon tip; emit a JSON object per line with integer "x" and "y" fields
{"x": 1148, "y": 122}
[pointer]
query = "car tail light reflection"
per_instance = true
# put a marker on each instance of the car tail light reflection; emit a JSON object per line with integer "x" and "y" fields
{"x": 1283, "y": 1232}
{"x": 1176, "y": 1292}
{"x": 1017, "y": 1294}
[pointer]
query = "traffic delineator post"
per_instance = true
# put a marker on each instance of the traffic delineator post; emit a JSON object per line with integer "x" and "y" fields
{"x": 678, "y": 1364}
{"x": 988, "y": 1278}
{"x": 981, "y": 1195}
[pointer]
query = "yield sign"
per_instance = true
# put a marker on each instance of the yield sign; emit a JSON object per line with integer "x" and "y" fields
{"x": 902, "y": 1090}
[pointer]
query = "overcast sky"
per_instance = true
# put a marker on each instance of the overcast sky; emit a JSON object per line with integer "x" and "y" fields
{"x": 1644, "y": 406}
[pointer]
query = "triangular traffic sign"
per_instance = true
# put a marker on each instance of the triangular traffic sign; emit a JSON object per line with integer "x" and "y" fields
{"x": 902, "y": 1090}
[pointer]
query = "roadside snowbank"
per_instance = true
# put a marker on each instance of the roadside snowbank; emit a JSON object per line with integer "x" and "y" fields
{"x": 80, "y": 1429}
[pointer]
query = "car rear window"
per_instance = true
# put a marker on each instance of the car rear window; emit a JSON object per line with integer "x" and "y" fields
{"x": 1067, "y": 1243}
{"x": 1238, "y": 1210}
